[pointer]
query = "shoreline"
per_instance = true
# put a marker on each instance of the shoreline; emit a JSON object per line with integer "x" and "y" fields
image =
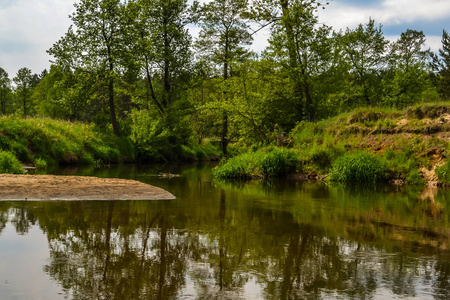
{"x": 74, "y": 188}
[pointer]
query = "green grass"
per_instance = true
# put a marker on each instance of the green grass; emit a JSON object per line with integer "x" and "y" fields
{"x": 368, "y": 144}
{"x": 265, "y": 163}
{"x": 443, "y": 173}
{"x": 50, "y": 141}
{"x": 359, "y": 167}
{"x": 9, "y": 163}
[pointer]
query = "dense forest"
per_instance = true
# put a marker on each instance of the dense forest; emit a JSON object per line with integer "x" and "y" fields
{"x": 133, "y": 69}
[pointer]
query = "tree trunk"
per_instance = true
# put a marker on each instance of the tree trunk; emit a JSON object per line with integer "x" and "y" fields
{"x": 291, "y": 47}
{"x": 112, "y": 108}
{"x": 24, "y": 106}
{"x": 223, "y": 139}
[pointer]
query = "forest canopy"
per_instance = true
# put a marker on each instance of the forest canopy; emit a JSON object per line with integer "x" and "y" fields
{"x": 133, "y": 68}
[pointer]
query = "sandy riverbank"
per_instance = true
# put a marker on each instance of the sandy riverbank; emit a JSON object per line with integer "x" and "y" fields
{"x": 50, "y": 187}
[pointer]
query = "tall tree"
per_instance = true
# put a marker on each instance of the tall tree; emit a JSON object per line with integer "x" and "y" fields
{"x": 444, "y": 62}
{"x": 223, "y": 38}
{"x": 24, "y": 83}
{"x": 408, "y": 50}
{"x": 306, "y": 51}
{"x": 94, "y": 44}
{"x": 5, "y": 88}
{"x": 365, "y": 48}
{"x": 160, "y": 46}
{"x": 407, "y": 77}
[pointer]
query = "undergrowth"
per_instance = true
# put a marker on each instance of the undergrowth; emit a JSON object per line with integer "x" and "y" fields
{"x": 265, "y": 163}
{"x": 366, "y": 144}
{"x": 9, "y": 163}
{"x": 359, "y": 167}
{"x": 42, "y": 141}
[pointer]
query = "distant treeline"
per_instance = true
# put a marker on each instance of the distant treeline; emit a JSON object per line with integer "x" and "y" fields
{"x": 132, "y": 68}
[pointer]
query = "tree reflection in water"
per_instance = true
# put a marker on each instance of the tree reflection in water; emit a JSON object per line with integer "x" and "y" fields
{"x": 261, "y": 241}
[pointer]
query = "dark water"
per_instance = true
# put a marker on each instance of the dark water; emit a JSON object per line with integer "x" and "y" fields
{"x": 260, "y": 240}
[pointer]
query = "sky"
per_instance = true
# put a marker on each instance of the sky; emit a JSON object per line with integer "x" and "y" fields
{"x": 30, "y": 27}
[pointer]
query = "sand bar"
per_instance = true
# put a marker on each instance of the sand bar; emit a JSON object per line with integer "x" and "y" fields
{"x": 51, "y": 187}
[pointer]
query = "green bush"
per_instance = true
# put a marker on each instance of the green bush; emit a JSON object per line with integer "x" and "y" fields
{"x": 443, "y": 173}
{"x": 62, "y": 142}
{"x": 274, "y": 162}
{"x": 413, "y": 177}
{"x": 238, "y": 167}
{"x": 40, "y": 164}
{"x": 278, "y": 162}
{"x": 9, "y": 163}
{"x": 359, "y": 167}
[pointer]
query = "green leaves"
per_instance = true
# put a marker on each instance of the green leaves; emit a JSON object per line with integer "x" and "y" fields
{"x": 9, "y": 163}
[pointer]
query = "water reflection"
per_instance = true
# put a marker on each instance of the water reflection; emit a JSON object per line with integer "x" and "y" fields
{"x": 260, "y": 240}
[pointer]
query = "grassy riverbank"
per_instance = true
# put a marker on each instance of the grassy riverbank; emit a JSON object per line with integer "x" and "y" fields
{"x": 367, "y": 144}
{"x": 44, "y": 141}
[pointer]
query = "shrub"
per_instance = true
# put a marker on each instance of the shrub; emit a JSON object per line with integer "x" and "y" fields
{"x": 443, "y": 173}
{"x": 278, "y": 162}
{"x": 61, "y": 141}
{"x": 9, "y": 163}
{"x": 40, "y": 164}
{"x": 414, "y": 178}
{"x": 238, "y": 167}
{"x": 359, "y": 167}
{"x": 275, "y": 162}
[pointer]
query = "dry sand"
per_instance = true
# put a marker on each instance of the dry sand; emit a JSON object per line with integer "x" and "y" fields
{"x": 50, "y": 187}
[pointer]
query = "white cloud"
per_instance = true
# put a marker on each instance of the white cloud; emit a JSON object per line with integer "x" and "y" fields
{"x": 27, "y": 29}
{"x": 397, "y": 11}
{"x": 434, "y": 43}
{"x": 388, "y": 12}
{"x": 30, "y": 27}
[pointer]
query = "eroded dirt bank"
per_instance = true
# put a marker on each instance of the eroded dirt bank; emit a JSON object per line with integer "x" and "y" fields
{"x": 50, "y": 187}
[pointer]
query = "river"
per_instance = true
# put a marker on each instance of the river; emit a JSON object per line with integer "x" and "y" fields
{"x": 219, "y": 240}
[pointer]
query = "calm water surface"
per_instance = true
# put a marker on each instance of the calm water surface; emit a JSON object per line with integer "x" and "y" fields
{"x": 217, "y": 240}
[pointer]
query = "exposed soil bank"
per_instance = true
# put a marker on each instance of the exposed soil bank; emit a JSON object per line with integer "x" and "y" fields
{"x": 50, "y": 187}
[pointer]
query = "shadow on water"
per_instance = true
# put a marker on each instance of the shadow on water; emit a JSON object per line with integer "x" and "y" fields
{"x": 255, "y": 240}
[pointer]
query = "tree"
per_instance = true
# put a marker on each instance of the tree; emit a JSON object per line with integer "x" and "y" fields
{"x": 160, "y": 46}
{"x": 407, "y": 78}
{"x": 159, "y": 54}
{"x": 444, "y": 64}
{"x": 24, "y": 84}
{"x": 94, "y": 44}
{"x": 49, "y": 94}
{"x": 307, "y": 53}
{"x": 365, "y": 49}
{"x": 407, "y": 50}
{"x": 5, "y": 89}
{"x": 223, "y": 39}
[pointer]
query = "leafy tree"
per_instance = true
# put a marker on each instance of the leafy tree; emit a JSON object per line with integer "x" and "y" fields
{"x": 365, "y": 49}
{"x": 407, "y": 80}
{"x": 407, "y": 50}
{"x": 24, "y": 83}
{"x": 223, "y": 39}
{"x": 159, "y": 54}
{"x": 49, "y": 94}
{"x": 444, "y": 63}
{"x": 5, "y": 89}
{"x": 160, "y": 45}
{"x": 94, "y": 45}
